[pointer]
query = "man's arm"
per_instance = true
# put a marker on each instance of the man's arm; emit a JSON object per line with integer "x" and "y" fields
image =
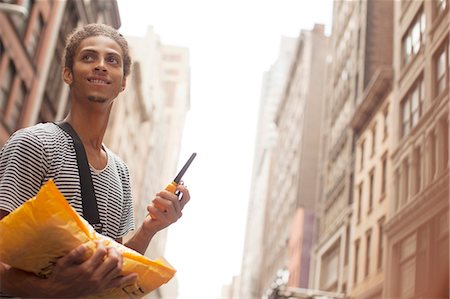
{"x": 102, "y": 270}
{"x": 164, "y": 210}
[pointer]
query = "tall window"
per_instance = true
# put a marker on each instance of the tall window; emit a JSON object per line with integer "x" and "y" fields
{"x": 442, "y": 69}
{"x": 412, "y": 106}
{"x": 413, "y": 38}
{"x": 360, "y": 195}
{"x": 368, "y": 245}
{"x": 355, "y": 270}
{"x": 405, "y": 181}
{"x": 385, "y": 122}
{"x": 6, "y": 84}
{"x": 407, "y": 267}
{"x": 380, "y": 243}
{"x": 383, "y": 174}
{"x": 371, "y": 191}
{"x": 361, "y": 161}
{"x": 374, "y": 139}
{"x": 417, "y": 170}
{"x": 432, "y": 156}
{"x": 444, "y": 143}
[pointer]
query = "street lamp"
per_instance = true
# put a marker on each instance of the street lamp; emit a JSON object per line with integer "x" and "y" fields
{"x": 14, "y": 9}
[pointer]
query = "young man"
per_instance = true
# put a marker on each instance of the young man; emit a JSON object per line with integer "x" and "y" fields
{"x": 96, "y": 64}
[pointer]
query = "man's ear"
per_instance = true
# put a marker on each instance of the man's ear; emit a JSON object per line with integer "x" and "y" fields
{"x": 67, "y": 76}
{"x": 124, "y": 83}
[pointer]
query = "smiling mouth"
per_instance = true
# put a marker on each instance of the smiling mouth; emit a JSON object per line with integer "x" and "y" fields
{"x": 99, "y": 81}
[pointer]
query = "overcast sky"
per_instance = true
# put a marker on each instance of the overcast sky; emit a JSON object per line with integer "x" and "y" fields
{"x": 231, "y": 43}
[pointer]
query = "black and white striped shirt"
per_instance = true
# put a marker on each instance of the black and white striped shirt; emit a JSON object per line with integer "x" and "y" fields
{"x": 36, "y": 154}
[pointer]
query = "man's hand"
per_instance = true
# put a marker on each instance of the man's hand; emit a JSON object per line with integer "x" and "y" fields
{"x": 165, "y": 209}
{"x": 76, "y": 276}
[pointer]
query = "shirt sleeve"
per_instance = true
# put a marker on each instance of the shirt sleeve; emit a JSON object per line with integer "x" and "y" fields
{"x": 127, "y": 221}
{"x": 22, "y": 169}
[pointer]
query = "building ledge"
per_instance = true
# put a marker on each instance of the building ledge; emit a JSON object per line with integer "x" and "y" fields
{"x": 428, "y": 199}
{"x": 378, "y": 88}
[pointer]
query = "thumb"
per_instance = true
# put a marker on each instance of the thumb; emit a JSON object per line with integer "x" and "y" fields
{"x": 75, "y": 256}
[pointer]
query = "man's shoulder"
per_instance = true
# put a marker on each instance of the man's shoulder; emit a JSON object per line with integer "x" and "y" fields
{"x": 121, "y": 165}
{"x": 39, "y": 135}
{"x": 41, "y": 131}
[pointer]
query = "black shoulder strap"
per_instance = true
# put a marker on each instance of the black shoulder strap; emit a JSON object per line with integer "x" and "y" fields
{"x": 88, "y": 199}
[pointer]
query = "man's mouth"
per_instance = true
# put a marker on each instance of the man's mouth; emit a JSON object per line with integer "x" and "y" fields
{"x": 98, "y": 81}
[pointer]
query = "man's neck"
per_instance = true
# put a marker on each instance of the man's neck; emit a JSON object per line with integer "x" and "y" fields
{"x": 91, "y": 128}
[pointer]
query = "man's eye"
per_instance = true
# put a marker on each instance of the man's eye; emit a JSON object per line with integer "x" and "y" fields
{"x": 87, "y": 58}
{"x": 112, "y": 60}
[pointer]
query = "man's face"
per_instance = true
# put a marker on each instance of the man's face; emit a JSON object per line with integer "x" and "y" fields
{"x": 97, "y": 73}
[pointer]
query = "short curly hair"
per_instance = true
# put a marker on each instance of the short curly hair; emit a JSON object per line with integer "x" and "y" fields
{"x": 80, "y": 34}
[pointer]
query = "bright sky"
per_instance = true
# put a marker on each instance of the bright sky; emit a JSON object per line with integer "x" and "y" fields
{"x": 231, "y": 43}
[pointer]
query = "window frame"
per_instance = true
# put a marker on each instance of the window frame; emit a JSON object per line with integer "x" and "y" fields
{"x": 407, "y": 119}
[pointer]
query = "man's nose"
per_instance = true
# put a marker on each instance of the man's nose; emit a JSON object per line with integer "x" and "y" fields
{"x": 101, "y": 66}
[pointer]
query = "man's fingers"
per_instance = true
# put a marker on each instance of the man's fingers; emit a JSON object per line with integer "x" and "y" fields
{"x": 75, "y": 256}
{"x": 112, "y": 265}
{"x": 122, "y": 281}
{"x": 186, "y": 196}
{"x": 155, "y": 213}
{"x": 97, "y": 258}
{"x": 167, "y": 205}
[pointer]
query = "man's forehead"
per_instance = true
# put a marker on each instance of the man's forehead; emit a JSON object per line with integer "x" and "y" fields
{"x": 100, "y": 43}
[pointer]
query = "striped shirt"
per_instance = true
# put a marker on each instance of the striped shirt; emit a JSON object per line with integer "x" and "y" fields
{"x": 36, "y": 154}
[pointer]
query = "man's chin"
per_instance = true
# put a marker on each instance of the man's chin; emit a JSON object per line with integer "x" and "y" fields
{"x": 96, "y": 99}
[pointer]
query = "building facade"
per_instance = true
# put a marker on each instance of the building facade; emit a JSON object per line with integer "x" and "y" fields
{"x": 31, "y": 46}
{"x": 294, "y": 165}
{"x": 359, "y": 28}
{"x": 372, "y": 175}
{"x": 273, "y": 86}
{"x": 417, "y": 229}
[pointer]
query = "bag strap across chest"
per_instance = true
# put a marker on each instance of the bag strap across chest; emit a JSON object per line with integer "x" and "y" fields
{"x": 88, "y": 199}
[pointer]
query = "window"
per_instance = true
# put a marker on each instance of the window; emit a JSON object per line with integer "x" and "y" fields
{"x": 6, "y": 84}
{"x": 330, "y": 262}
{"x": 412, "y": 40}
{"x": 444, "y": 143}
{"x": 432, "y": 156}
{"x": 385, "y": 122}
{"x": 374, "y": 139}
{"x": 397, "y": 189}
{"x": 368, "y": 245}
{"x": 347, "y": 244}
{"x": 407, "y": 267}
{"x": 360, "y": 194}
{"x": 371, "y": 191}
{"x": 361, "y": 161}
{"x": 380, "y": 243}
{"x": 404, "y": 182}
{"x": 417, "y": 170}
{"x": 412, "y": 106}
{"x": 442, "y": 69}
{"x": 383, "y": 175}
{"x": 355, "y": 271}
